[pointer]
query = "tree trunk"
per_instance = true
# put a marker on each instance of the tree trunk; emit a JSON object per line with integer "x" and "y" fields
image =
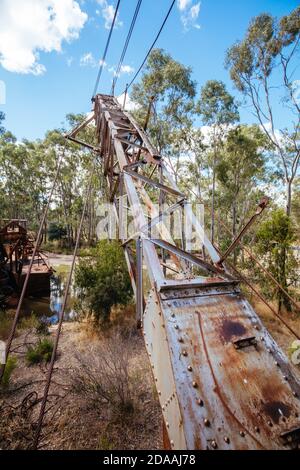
{"x": 213, "y": 201}
{"x": 234, "y": 213}
{"x": 283, "y": 300}
{"x": 289, "y": 197}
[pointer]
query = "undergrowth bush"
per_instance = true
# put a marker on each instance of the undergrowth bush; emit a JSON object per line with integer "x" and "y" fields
{"x": 103, "y": 374}
{"x": 41, "y": 352}
{"x": 10, "y": 366}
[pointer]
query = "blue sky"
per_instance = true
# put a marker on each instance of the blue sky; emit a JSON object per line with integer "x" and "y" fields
{"x": 42, "y": 87}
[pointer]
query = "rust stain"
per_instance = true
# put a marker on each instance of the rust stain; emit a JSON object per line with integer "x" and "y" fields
{"x": 230, "y": 329}
{"x": 276, "y": 410}
{"x": 218, "y": 388}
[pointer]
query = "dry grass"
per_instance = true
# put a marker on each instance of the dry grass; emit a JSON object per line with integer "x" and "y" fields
{"x": 73, "y": 420}
{"x": 277, "y": 329}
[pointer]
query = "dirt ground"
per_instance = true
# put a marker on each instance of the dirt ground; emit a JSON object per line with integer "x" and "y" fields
{"x": 74, "y": 421}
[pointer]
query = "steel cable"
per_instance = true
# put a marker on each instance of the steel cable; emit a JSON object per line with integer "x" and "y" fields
{"x": 61, "y": 317}
{"x": 24, "y": 287}
{"x": 133, "y": 21}
{"x": 152, "y": 45}
{"x": 105, "y": 50}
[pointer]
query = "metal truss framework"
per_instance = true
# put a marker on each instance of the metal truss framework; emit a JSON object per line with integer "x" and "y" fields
{"x": 222, "y": 381}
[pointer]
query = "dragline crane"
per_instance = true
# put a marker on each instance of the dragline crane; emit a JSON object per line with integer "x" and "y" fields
{"x": 222, "y": 381}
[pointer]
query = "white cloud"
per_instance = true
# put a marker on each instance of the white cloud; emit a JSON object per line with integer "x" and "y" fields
{"x": 183, "y": 4}
{"x": 108, "y": 13}
{"x": 27, "y": 27}
{"x": 124, "y": 69}
{"x": 88, "y": 60}
{"x": 129, "y": 105}
{"x": 70, "y": 61}
{"x": 189, "y": 13}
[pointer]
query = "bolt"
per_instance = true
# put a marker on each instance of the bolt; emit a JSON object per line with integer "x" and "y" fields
{"x": 184, "y": 353}
{"x": 270, "y": 423}
{"x": 195, "y": 385}
{"x": 190, "y": 368}
{"x": 159, "y": 392}
{"x": 172, "y": 443}
{"x": 180, "y": 339}
{"x": 200, "y": 402}
{"x": 227, "y": 440}
{"x": 173, "y": 314}
{"x": 214, "y": 444}
{"x": 176, "y": 327}
{"x": 167, "y": 424}
{"x": 206, "y": 422}
{"x": 277, "y": 364}
{"x": 242, "y": 433}
{"x": 285, "y": 377}
{"x": 256, "y": 429}
{"x": 295, "y": 394}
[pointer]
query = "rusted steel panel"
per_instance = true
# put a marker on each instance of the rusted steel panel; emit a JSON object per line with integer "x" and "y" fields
{"x": 158, "y": 348}
{"x": 230, "y": 398}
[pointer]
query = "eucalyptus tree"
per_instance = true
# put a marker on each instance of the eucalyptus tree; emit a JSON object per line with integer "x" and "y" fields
{"x": 240, "y": 172}
{"x": 168, "y": 85}
{"x": 218, "y": 111}
{"x": 262, "y": 67}
{"x": 2, "y": 117}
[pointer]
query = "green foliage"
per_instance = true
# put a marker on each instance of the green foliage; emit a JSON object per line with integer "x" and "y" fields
{"x": 169, "y": 84}
{"x": 2, "y": 117}
{"x": 275, "y": 237}
{"x": 56, "y": 231}
{"x": 103, "y": 281}
{"x": 216, "y": 106}
{"x": 262, "y": 67}
{"x": 41, "y": 352}
{"x": 10, "y": 366}
{"x": 275, "y": 232}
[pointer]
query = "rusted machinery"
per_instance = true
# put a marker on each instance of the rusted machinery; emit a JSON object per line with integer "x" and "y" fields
{"x": 222, "y": 381}
{"x": 16, "y": 250}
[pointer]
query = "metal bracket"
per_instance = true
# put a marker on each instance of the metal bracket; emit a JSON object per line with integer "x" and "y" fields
{"x": 245, "y": 342}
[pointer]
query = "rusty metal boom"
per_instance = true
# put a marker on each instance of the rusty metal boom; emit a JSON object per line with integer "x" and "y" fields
{"x": 222, "y": 381}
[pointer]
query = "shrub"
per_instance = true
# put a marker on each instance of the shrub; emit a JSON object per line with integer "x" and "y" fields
{"x": 41, "y": 352}
{"x": 103, "y": 374}
{"x": 10, "y": 366}
{"x": 103, "y": 280}
{"x": 56, "y": 231}
{"x": 42, "y": 327}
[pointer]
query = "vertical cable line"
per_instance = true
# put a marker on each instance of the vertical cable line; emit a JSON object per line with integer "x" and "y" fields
{"x": 61, "y": 315}
{"x": 133, "y": 21}
{"x": 105, "y": 50}
{"x": 153, "y": 44}
{"x": 38, "y": 239}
